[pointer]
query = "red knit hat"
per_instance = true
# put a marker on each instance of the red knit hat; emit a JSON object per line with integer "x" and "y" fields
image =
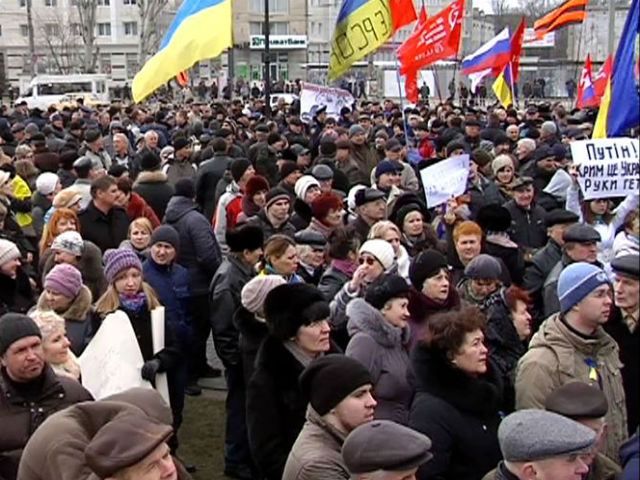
{"x": 323, "y": 203}
{"x": 256, "y": 184}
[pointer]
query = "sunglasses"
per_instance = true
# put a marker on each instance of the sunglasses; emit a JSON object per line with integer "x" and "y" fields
{"x": 367, "y": 260}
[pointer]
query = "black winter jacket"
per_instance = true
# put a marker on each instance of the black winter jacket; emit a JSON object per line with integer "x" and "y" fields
{"x": 459, "y": 414}
{"x": 106, "y": 231}
{"x": 209, "y": 174}
{"x": 252, "y": 333}
{"x": 156, "y": 190}
{"x": 527, "y": 226}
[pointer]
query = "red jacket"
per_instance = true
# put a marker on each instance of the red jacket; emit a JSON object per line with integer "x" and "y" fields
{"x": 139, "y": 208}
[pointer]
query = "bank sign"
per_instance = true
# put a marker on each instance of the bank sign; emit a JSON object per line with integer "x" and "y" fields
{"x": 279, "y": 42}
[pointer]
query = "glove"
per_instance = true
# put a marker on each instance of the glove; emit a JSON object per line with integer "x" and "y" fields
{"x": 149, "y": 370}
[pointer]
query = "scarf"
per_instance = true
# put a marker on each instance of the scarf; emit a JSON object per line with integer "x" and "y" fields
{"x": 345, "y": 266}
{"x": 133, "y": 303}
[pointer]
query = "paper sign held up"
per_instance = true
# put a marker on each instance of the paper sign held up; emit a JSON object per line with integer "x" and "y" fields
{"x": 445, "y": 179}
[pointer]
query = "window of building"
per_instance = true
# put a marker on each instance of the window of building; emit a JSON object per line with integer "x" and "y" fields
{"x": 76, "y": 29}
{"x": 131, "y": 28}
{"x": 131, "y": 60}
{"x": 104, "y": 29}
{"x": 50, "y": 3}
{"x": 103, "y": 3}
{"x": 275, "y": 6}
{"x": 52, "y": 29}
{"x": 277, "y": 28}
{"x": 22, "y": 3}
{"x": 24, "y": 30}
{"x": 129, "y": 2}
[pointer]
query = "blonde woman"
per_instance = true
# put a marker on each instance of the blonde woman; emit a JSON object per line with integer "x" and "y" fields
{"x": 55, "y": 344}
{"x": 139, "y": 237}
{"x": 390, "y": 233}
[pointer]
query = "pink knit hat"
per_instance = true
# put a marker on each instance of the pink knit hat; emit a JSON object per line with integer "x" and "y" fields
{"x": 65, "y": 280}
{"x": 119, "y": 260}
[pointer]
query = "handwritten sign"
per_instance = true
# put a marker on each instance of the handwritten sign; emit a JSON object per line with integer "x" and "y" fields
{"x": 445, "y": 179}
{"x": 111, "y": 363}
{"x": 608, "y": 167}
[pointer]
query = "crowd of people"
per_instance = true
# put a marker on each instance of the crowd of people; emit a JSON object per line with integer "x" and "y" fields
{"x": 363, "y": 333}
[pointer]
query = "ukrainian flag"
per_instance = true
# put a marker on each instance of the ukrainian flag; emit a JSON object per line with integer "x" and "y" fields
{"x": 503, "y": 86}
{"x": 201, "y": 29}
{"x": 620, "y": 105}
{"x": 362, "y": 27}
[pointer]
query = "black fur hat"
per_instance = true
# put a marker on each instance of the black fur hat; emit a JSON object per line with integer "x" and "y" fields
{"x": 494, "y": 218}
{"x": 291, "y": 306}
{"x": 244, "y": 237}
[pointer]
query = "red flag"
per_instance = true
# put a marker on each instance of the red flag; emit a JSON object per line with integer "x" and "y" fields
{"x": 516, "y": 50}
{"x": 437, "y": 39}
{"x": 586, "y": 92}
{"x": 602, "y": 77}
{"x": 182, "y": 78}
{"x": 411, "y": 79}
{"x": 402, "y": 12}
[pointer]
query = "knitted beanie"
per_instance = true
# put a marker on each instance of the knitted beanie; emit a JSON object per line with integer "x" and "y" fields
{"x": 303, "y": 185}
{"x": 65, "y": 280}
{"x": 426, "y": 265}
{"x": 483, "y": 267}
{"x": 381, "y": 250}
{"x": 500, "y": 162}
{"x": 255, "y": 291}
{"x": 70, "y": 242}
{"x": 8, "y": 251}
{"x": 577, "y": 281}
{"x": 275, "y": 195}
{"x": 46, "y": 183}
{"x": 166, "y": 234}
{"x": 15, "y": 326}
{"x": 118, "y": 260}
{"x": 238, "y": 167}
{"x": 330, "y": 379}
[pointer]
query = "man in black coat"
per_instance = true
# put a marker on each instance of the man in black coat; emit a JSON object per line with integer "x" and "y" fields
{"x": 102, "y": 222}
{"x": 152, "y": 184}
{"x": 209, "y": 174}
{"x": 245, "y": 250}
{"x": 623, "y": 327}
{"x": 527, "y": 219}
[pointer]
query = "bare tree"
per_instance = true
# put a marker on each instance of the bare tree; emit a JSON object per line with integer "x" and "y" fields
{"x": 150, "y": 28}
{"x": 87, "y": 18}
{"x": 60, "y": 35}
{"x": 535, "y": 9}
{"x": 500, "y": 7}
{"x": 32, "y": 47}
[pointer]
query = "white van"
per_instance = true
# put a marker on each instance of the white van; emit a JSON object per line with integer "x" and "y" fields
{"x": 45, "y": 90}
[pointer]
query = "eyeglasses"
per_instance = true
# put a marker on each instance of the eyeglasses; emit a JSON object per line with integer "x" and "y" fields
{"x": 367, "y": 260}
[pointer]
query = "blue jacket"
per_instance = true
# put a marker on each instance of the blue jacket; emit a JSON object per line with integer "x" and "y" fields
{"x": 171, "y": 284}
{"x": 630, "y": 458}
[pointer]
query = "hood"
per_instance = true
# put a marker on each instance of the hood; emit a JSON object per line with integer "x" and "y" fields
{"x": 77, "y": 311}
{"x": 364, "y": 318}
{"x": 559, "y": 184}
{"x": 434, "y": 374}
{"x": 177, "y": 208}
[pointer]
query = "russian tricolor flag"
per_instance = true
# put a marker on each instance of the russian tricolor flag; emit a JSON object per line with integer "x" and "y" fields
{"x": 587, "y": 96}
{"x": 493, "y": 55}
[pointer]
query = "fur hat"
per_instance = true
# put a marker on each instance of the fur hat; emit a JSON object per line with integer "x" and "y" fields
{"x": 244, "y": 237}
{"x": 386, "y": 288}
{"x": 291, "y": 306}
{"x": 494, "y": 218}
{"x": 256, "y": 184}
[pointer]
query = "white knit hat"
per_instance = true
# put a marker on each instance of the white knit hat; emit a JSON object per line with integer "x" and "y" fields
{"x": 255, "y": 291}
{"x": 381, "y": 250}
{"x": 303, "y": 184}
{"x": 8, "y": 251}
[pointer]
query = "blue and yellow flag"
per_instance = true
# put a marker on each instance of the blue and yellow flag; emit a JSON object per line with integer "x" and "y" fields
{"x": 620, "y": 105}
{"x": 201, "y": 29}
{"x": 503, "y": 86}
{"x": 362, "y": 27}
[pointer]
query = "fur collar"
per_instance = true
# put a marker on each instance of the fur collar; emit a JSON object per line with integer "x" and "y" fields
{"x": 77, "y": 311}
{"x": 435, "y": 375}
{"x": 364, "y": 318}
{"x": 421, "y": 306}
{"x": 155, "y": 176}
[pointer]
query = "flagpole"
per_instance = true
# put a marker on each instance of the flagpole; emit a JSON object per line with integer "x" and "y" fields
{"x": 512, "y": 84}
{"x": 404, "y": 121}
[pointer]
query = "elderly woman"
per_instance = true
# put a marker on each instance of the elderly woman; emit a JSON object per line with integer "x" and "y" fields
{"x": 281, "y": 258}
{"x": 508, "y": 330}
{"x": 379, "y": 330}
{"x": 466, "y": 245}
{"x": 431, "y": 290}
{"x": 311, "y": 247}
{"x": 457, "y": 397}
{"x": 417, "y": 233}
{"x": 389, "y": 232}
{"x": 327, "y": 213}
{"x": 64, "y": 294}
{"x": 481, "y": 281}
{"x": 139, "y": 237}
{"x": 297, "y": 317}
{"x": 55, "y": 344}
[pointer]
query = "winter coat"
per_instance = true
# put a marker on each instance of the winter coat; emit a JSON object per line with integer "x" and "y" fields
{"x": 317, "y": 452}
{"x": 624, "y": 244}
{"x": 505, "y": 348}
{"x": 275, "y": 407}
{"x": 558, "y": 355}
{"x": 268, "y": 230}
{"x": 171, "y": 284}
{"x": 301, "y": 215}
{"x": 428, "y": 239}
{"x": 178, "y": 170}
{"x": 21, "y": 415}
{"x": 266, "y": 163}
{"x": 541, "y": 265}
{"x": 361, "y": 228}
{"x": 630, "y": 458}
{"x": 209, "y": 174}
{"x": 16, "y": 294}
{"x": 628, "y": 344}
{"x": 331, "y": 281}
{"x": 502, "y": 248}
{"x": 106, "y": 231}
{"x": 252, "y": 331}
{"x": 155, "y": 188}
{"x": 482, "y": 192}
{"x": 527, "y": 226}
{"x": 222, "y": 221}
{"x": 138, "y": 207}
{"x": 602, "y": 468}
{"x": 45, "y": 160}
{"x": 350, "y": 170}
{"x": 199, "y": 251}
{"x": 608, "y": 230}
{"x": 365, "y": 159}
{"x": 77, "y": 319}
{"x": 224, "y": 295}
{"x": 422, "y": 307}
{"x": 40, "y": 206}
{"x": 382, "y": 348}
{"x": 459, "y": 413}
{"x": 56, "y": 450}
{"x": 89, "y": 264}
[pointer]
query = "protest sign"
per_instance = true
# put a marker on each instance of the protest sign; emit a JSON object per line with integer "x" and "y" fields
{"x": 445, "y": 179}
{"x": 607, "y": 167}
{"x": 312, "y": 97}
{"x": 111, "y": 363}
{"x": 157, "y": 334}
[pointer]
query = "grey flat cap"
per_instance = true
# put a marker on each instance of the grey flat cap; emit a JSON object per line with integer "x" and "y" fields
{"x": 385, "y": 445}
{"x": 627, "y": 265}
{"x": 581, "y": 233}
{"x": 528, "y": 435}
{"x": 322, "y": 172}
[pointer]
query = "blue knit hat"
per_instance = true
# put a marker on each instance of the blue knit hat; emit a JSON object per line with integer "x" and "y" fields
{"x": 577, "y": 281}
{"x": 119, "y": 260}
